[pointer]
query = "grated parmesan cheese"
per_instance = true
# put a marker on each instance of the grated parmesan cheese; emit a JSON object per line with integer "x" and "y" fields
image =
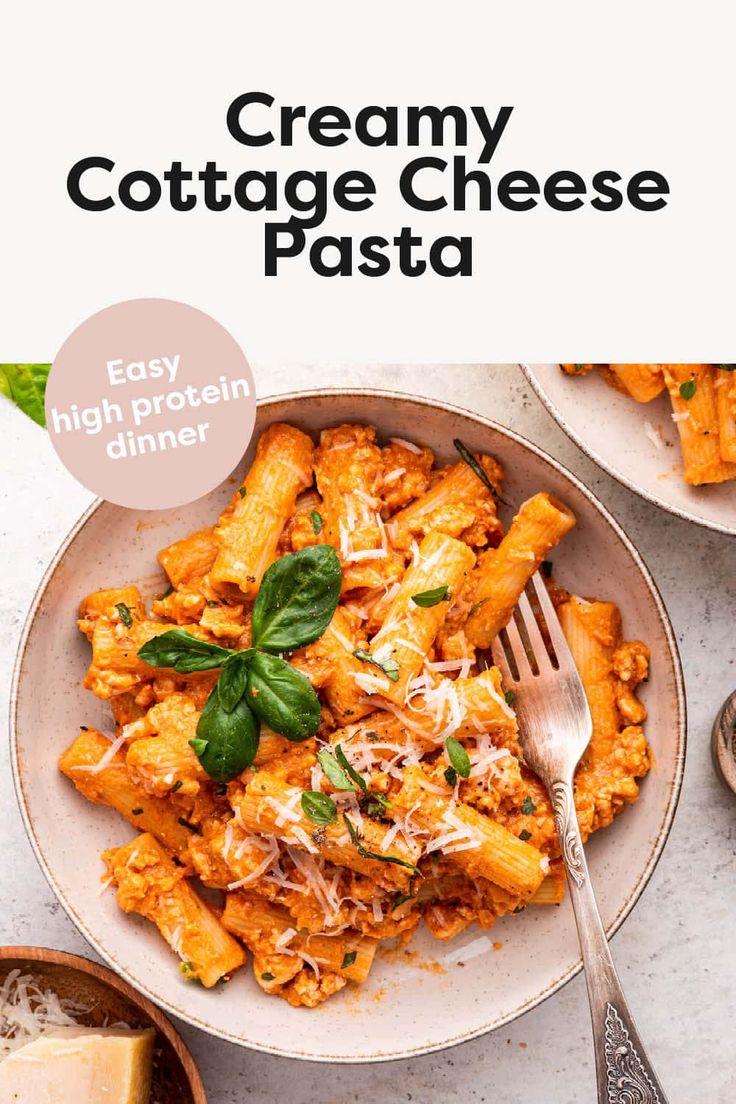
{"x": 27, "y": 1012}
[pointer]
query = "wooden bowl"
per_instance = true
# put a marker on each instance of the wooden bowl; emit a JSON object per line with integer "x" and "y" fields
{"x": 175, "y": 1076}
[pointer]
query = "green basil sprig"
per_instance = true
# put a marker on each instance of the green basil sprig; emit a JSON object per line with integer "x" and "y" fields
{"x": 428, "y": 598}
{"x": 297, "y": 599}
{"x": 356, "y": 840}
{"x": 389, "y": 666}
{"x": 294, "y": 606}
{"x": 458, "y": 756}
{"x": 25, "y": 385}
{"x": 319, "y": 807}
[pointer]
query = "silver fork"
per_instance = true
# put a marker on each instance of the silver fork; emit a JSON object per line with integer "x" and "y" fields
{"x": 554, "y": 729}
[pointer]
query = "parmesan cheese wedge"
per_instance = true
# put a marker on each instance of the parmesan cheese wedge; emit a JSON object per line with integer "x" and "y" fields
{"x": 80, "y": 1065}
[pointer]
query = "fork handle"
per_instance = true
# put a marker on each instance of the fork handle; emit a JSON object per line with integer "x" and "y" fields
{"x": 623, "y": 1070}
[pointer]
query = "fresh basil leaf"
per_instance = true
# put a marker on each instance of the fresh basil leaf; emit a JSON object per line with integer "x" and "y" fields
{"x": 232, "y": 681}
{"x": 458, "y": 756}
{"x": 688, "y": 388}
{"x": 297, "y": 598}
{"x": 282, "y": 697}
{"x": 389, "y": 666}
{"x": 349, "y": 959}
{"x": 333, "y": 771}
{"x": 476, "y": 606}
{"x": 169, "y": 590}
{"x": 319, "y": 807}
{"x": 316, "y": 519}
{"x": 528, "y": 807}
{"x": 467, "y": 456}
{"x": 125, "y": 615}
{"x": 25, "y": 385}
{"x": 375, "y": 804}
{"x": 230, "y": 739}
{"x": 429, "y": 598}
{"x": 400, "y": 899}
{"x": 355, "y": 839}
{"x": 349, "y": 770}
{"x": 184, "y": 652}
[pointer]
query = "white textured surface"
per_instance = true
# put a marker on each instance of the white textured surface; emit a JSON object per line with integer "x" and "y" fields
{"x": 675, "y": 953}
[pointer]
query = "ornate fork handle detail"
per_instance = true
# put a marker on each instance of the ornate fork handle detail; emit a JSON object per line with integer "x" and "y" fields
{"x": 563, "y": 806}
{"x": 626, "y": 1077}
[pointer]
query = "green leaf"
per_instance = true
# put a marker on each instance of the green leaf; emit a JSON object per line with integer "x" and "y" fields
{"x": 349, "y": 959}
{"x": 356, "y": 841}
{"x": 226, "y": 743}
{"x": 429, "y": 598}
{"x": 297, "y": 598}
{"x": 458, "y": 756}
{"x": 169, "y": 590}
{"x": 688, "y": 388}
{"x": 125, "y": 615}
{"x": 525, "y": 835}
{"x": 319, "y": 807}
{"x": 333, "y": 771}
{"x": 510, "y": 697}
{"x": 282, "y": 697}
{"x": 183, "y": 652}
{"x": 349, "y": 770}
{"x": 375, "y": 804}
{"x": 467, "y": 456}
{"x": 389, "y": 666}
{"x": 242, "y": 491}
{"x": 528, "y": 807}
{"x": 451, "y": 776}
{"x": 25, "y": 385}
{"x": 233, "y": 680}
{"x": 316, "y": 519}
{"x": 267, "y": 977}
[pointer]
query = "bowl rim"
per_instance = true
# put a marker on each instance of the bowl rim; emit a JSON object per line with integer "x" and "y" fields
{"x": 677, "y": 511}
{"x": 110, "y": 978}
{"x": 662, "y": 835}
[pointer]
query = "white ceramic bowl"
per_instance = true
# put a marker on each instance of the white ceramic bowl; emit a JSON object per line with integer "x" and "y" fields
{"x": 405, "y": 1009}
{"x": 610, "y": 428}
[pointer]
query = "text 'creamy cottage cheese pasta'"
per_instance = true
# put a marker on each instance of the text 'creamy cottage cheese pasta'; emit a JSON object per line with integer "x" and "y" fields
{"x": 306, "y": 721}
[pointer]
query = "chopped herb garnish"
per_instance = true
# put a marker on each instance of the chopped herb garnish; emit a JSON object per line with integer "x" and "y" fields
{"x": 187, "y": 968}
{"x": 429, "y": 598}
{"x": 476, "y": 606}
{"x": 688, "y": 388}
{"x": 242, "y": 492}
{"x": 125, "y": 615}
{"x": 169, "y": 590}
{"x": 519, "y": 908}
{"x": 355, "y": 838}
{"x": 211, "y": 602}
{"x": 727, "y": 367}
{"x": 188, "y": 824}
{"x": 510, "y": 697}
{"x": 136, "y": 812}
{"x": 177, "y": 786}
{"x": 349, "y": 770}
{"x": 349, "y": 959}
{"x": 375, "y": 804}
{"x": 528, "y": 807}
{"x": 319, "y": 807}
{"x": 316, "y": 519}
{"x": 525, "y": 835}
{"x": 333, "y": 770}
{"x": 400, "y": 899}
{"x": 451, "y": 776}
{"x": 458, "y": 756}
{"x": 467, "y": 456}
{"x": 267, "y": 977}
{"x": 389, "y": 666}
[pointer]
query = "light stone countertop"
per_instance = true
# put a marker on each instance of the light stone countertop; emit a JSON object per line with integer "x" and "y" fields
{"x": 676, "y": 953}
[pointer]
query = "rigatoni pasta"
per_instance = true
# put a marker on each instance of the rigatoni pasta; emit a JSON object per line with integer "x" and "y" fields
{"x": 703, "y": 398}
{"x": 407, "y": 801}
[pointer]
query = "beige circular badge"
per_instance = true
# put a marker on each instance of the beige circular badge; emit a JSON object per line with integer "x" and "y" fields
{"x": 150, "y": 403}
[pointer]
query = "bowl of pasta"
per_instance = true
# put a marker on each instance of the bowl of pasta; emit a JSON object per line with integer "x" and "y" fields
{"x": 666, "y": 431}
{"x": 273, "y": 776}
